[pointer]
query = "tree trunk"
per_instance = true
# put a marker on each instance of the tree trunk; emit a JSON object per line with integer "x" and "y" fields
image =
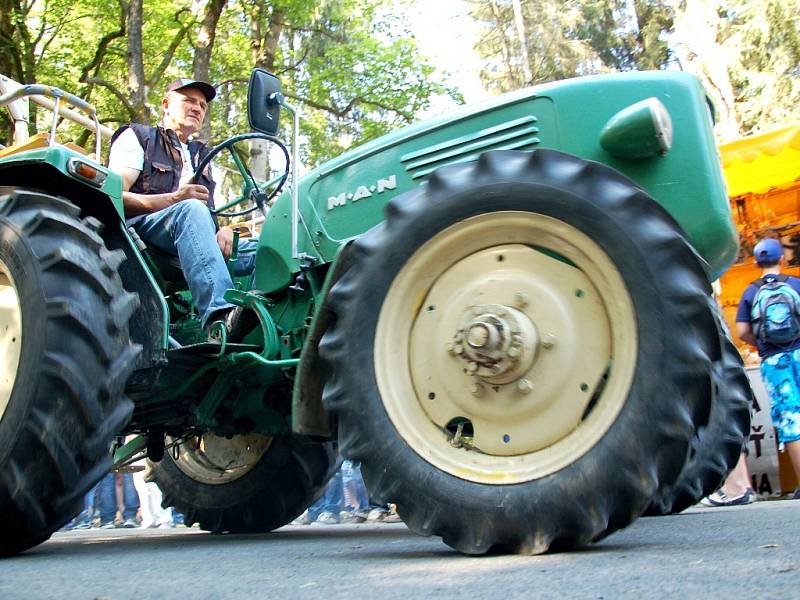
{"x": 17, "y": 59}
{"x": 264, "y": 44}
{"x": 205, "y": 40}
{"x": 696, "y": 30}
{"x": 519, "y": 24}
{"x": 201, "y": 65}
{"x": 504, "y": 45}
{"x": 136, "y": 81}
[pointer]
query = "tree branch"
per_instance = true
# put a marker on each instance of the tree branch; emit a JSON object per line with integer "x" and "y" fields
{"x": 225, "y": 82}
{"x": 293, "y": 66}
{"x": 173, "y": 46}
{"x": 114, "y": 90}
{"x": 343, "y": 112}
{"x": 101, "y": 51}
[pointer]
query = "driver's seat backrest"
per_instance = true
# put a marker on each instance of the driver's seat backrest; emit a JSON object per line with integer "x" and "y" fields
{"x": 165, "y": 267}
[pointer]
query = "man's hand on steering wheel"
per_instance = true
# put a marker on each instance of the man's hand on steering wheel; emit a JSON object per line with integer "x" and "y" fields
{"x": 252, "y": 184}
{"x": 189, "y": 191}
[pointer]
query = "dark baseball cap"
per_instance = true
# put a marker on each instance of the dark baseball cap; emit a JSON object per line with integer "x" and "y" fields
{"x": 181, "y": 84}
{"x": 768, "y": 250}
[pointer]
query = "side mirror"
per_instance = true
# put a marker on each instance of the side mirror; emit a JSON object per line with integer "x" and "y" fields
{"x": 264, "y": 102}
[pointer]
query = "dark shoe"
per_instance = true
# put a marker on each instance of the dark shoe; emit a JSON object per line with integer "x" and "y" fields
{"x": 238, "y": 322}
{"x": 796, "y": 495}
{"x": 720, "y": 498}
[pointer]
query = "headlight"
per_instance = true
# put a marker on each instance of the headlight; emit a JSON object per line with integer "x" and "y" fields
{"x": 640, "y": 130}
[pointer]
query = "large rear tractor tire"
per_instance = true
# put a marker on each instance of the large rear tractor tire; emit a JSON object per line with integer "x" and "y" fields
{"x": 716, "y": 448}
{"x": 65, "y": 354}
{"x": 521, "y": 353}
{"x": 247, "y": 484}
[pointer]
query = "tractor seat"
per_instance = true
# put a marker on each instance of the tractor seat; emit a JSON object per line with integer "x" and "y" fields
{"x": 166, "y": 267}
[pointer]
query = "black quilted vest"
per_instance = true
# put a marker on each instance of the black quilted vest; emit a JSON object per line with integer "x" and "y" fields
{"x": 163, "y": 161}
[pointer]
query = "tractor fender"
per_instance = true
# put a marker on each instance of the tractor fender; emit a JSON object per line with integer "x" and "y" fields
{"x": 150, "y": 322}
{"x": 309, "y": 417}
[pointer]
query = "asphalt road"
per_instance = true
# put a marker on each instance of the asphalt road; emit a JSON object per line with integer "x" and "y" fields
{"x": 749, "y": 552}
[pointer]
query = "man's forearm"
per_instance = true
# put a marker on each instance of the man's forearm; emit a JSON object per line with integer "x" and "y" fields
{"x": 143, "y": 204}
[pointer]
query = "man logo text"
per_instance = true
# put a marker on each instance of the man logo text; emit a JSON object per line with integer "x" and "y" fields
{"x": 363, "y": 191}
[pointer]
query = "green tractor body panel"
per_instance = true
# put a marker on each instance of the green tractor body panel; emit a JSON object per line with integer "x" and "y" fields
{"x": 242, "y": 431}
{"x": 29, "y": 168}
{"x": 344, "y": 197}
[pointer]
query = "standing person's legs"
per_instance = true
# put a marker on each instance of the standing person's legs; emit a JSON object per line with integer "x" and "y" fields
{"x": 331, "y": 503}
{"x": 106, "y": 499}
{"x": 781, "y": 374}
{"x": 153, "y": 515}
{"x": 793, "y": 448}
{"x": 130, "y": 499}
{"x": 738, "y": 481}
{"x": 147, "y": 515}
{"x": 187, "y": 230}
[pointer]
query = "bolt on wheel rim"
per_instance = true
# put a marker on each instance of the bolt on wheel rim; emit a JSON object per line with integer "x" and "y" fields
{"x": 512, "y": 321}
{"x": 10, "y": 337}
{"x": 218, "y": 460}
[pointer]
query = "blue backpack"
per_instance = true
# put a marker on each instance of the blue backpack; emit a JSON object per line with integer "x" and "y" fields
{"x": 775, "y": 315}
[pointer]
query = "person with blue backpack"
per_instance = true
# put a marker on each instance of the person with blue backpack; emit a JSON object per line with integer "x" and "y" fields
{"x": 769, "y": 319}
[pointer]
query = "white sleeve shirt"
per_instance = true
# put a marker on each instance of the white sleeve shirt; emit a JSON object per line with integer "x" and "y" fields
{"x": 127, "y": 153}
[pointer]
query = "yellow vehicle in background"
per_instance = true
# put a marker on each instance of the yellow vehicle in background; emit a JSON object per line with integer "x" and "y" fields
{"x": 762, "y": 173}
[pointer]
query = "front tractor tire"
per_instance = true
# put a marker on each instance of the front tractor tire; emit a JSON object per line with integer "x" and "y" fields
{"x": 521, "y": 353}
{"x": 65, "y": 354}
{"x": 716, "y": 448}
{"x": 248, "y": 483}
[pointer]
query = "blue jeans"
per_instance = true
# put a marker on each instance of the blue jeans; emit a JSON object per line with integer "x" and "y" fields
{"x": 107, "y": 497}
{"x": 332, "y": 501}
{"x": 187, "y": 230}
{"x": 355, "y": 492}
{"x": 86, "y": 515}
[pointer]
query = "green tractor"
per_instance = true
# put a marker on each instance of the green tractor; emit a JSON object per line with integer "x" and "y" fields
{"x": 504, "y": 314}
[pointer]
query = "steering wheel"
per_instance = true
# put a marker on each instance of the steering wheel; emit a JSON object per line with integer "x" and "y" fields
{"x": 259, "y": 197}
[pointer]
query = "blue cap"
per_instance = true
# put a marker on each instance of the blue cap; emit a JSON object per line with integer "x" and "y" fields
{"x": 768, "y": 250}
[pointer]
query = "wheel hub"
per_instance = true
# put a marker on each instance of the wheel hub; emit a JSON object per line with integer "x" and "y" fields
{"x": 219, "y": 460}
{"x": 496, "y": 343}
{"x": 521, "y": 347}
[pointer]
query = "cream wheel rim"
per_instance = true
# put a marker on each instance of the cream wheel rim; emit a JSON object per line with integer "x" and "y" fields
{"x": 10, "y": 337}
{"x": 217, "y": 460}
{"x": 518, "y": 347}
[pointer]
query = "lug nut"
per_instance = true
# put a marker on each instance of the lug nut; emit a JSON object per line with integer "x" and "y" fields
{"x": 548, "y": 340}
{"x": 524, "y": 386}
{"x": 472, "y": 366}
{"x": 478, "y": 335}
{"x": 513, "y": 352}
{"x": 476, "y": 389}
{"x": 521, "y": 299}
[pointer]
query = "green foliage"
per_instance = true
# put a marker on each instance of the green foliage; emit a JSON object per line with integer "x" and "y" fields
{"x": 628, "y": 35}
{"x": 763, "y": 37}
{"x": 353, "y": 74}
{"x": 568, "y": 38}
